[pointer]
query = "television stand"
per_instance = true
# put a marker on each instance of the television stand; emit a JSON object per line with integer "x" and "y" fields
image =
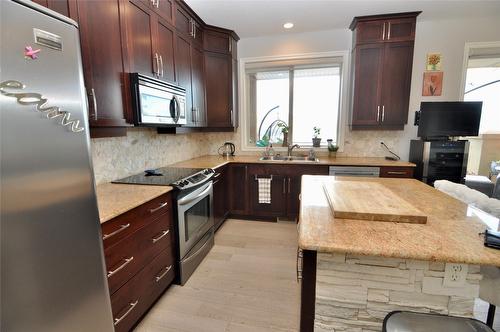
{"x": 439, "y": 160}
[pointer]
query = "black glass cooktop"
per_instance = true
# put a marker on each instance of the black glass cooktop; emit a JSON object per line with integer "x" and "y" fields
{"x": 168, "y": 176}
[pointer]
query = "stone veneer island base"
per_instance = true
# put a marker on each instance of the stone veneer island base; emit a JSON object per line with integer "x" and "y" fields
{"x": 354, "y": 272}
{"x": 355, "y": 293}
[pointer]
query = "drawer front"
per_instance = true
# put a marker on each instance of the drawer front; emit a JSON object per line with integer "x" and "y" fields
{"x": 122, "y": 226}
{"x": 396, "y": 172}
{"x": 131, "y": 301}
{"x": 126, "y": 258}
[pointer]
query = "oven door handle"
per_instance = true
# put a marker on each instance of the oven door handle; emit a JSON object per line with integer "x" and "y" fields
{"x": 188, "y": 199}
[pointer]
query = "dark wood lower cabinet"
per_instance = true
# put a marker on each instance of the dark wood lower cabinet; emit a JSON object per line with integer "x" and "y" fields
{"x": 139, "y": 254}
{"x": 238, "y": 193}
{"x": 285, "y": 189}
{"x": 221, "y": 203}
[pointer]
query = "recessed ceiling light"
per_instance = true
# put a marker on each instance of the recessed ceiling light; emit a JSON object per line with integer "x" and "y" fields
{"x": 288, "y": 25}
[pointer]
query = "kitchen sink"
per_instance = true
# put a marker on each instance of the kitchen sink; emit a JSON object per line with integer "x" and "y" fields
{"x": 292, "y": 158}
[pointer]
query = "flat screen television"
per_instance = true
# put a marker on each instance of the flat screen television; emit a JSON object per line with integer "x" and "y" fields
{"x": 449, "y": 119}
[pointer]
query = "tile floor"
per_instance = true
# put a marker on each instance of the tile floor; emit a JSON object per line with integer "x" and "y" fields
{"x": 246, "y": 283}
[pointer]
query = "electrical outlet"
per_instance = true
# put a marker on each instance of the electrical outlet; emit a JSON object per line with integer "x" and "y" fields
{"x": 455, "y": 274}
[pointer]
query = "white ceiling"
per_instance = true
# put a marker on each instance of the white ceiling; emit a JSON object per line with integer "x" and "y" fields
{"x": 253, "y": 18}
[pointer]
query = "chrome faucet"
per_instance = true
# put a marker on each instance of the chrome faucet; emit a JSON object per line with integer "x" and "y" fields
{"x": 291, "y": 147}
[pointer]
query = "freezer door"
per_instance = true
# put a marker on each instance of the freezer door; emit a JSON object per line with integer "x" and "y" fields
{"x": 52, "y": 266}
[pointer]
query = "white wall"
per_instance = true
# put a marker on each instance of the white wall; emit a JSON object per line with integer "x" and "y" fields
{"x": 447, "y": 37}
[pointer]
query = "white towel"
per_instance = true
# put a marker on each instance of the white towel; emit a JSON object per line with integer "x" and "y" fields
{"x": 264, "y": 190}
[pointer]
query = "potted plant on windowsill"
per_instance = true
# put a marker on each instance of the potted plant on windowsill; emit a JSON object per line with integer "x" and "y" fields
{"x": 332, "y": 148}
{"x": 284, "y": 130}
{"x": 316, "y": 139}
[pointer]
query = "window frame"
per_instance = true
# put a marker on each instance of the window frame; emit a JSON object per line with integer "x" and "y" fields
{"x": 244, "y": 100}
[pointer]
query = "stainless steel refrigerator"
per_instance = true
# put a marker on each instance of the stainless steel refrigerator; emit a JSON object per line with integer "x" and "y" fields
{"x": 52, "y": 265}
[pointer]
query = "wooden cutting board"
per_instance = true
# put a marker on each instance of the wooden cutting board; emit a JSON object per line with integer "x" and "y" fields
{"x": 370, "y": 201}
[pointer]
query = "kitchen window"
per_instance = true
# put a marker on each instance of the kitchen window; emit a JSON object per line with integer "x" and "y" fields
{"x": 299, "y": 94}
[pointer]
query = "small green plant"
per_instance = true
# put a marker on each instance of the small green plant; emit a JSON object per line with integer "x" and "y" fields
{"x": 284, "y": 127}
{"x": 317, "y": 131}
{"x": 332, "y": 147}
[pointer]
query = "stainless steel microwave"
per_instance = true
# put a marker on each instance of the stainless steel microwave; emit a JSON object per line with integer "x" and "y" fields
{"x": 157, "y": 103}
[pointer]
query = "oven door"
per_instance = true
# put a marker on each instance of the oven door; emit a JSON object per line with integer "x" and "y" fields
{"x": 195, "y": 217}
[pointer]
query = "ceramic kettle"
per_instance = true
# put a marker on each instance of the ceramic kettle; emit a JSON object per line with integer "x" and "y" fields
{"x": 227, "y": 149}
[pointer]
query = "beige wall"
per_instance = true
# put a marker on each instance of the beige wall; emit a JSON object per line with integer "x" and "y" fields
{"x": 445, "y": 36}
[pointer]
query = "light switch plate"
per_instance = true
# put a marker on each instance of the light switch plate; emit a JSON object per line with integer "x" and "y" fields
{"x": 455, "y": 274}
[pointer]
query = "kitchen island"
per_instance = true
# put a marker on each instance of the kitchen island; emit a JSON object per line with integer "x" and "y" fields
{"x": 357, "y": 271}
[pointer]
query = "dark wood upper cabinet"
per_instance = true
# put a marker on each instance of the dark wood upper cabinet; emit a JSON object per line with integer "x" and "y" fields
{"x": 183, "y": 74}
{"x": 383, "y": 57}
{"x": 165, "y": 9}
{"x": 221, "y": 73}
{"x": 198, "y": 86}
{"x": 384, "y": 28}
{"x": 141, "y": 57}
{"x": 369, "y": 32}
{"x": 219, "y": 89}
{"x": 165, "y": 45}
{"x": 103, "y": 65}
{"x": 217, "y": 42}
{"x": 396, "y": 82}
{"x": 367, "y": 83}
{"x": 60, "y": 6}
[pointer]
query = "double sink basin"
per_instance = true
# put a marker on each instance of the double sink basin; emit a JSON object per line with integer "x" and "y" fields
{"x": 290, "y": 158}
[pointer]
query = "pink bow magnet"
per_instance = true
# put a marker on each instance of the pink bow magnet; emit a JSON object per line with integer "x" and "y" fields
{"x": 30, "y": 52}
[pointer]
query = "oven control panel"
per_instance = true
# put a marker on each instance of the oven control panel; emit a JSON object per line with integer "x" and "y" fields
{"x": 195, "y": 179}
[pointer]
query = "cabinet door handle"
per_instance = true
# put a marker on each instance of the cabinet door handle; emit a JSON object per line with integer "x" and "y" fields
{"x": 284, "y": 188}
{"x": 396, "y": 172}
{"x": 161, "y": 65}
{"x": 164, "y": 273}
{"x": 132, "y": 306}
{"x": 378, "y": 113}
{"x": 383, "y": 113}
{"x": 127, "y": 261}
{"x": 162, "y": 205}
{"x": 232, "y": 118}
{"x": 157, "y": 70}
{"x": 163, "y": 234}
{"x": 230, "y": 46}
{"x": 191, "y": 33}
{"x": 119, "y": 230}
{"x": 288, "y": 185}
{"x": 389, "y": 32}
{"x": 94, "y": 103}
{"x": 383, "y": 32}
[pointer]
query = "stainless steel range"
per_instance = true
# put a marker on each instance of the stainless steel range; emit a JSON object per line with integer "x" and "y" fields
{"x": 193, "y": 202}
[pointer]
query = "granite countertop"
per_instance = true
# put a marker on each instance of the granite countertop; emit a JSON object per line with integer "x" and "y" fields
{"x": 450, "y": 235}
{"x": 218, "y": 161}
{"x": 115, "y": 199}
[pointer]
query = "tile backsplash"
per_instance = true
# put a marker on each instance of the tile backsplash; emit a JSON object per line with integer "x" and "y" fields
{"x": 117, "y": 157}
{"x": 141, "y": 149}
